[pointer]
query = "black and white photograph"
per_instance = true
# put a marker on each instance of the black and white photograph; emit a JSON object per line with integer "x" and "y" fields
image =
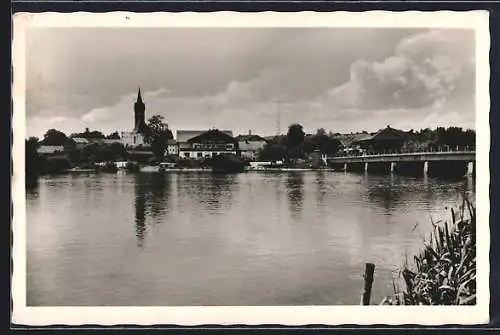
{"x": 254, "y": 168}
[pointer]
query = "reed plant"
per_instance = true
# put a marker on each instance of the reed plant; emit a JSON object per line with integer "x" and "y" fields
{"x": 444, "y": 271}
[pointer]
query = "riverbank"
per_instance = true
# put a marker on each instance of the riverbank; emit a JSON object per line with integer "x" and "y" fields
{"x": 444, "y": 272}
{"x": 110, "y": 168}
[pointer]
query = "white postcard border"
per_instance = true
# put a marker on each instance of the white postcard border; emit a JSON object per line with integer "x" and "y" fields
{"x": 254, "y": 315}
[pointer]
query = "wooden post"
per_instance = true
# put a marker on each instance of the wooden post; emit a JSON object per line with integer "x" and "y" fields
{"x": 369, "y": 270}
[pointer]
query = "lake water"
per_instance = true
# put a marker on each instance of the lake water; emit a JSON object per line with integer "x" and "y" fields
{"x": 256, "y": 238}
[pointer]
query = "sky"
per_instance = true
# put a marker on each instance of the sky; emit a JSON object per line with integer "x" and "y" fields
{"x": 241, "y": 79}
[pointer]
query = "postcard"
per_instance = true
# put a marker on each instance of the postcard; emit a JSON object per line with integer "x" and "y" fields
{"x": 251, "y": 168}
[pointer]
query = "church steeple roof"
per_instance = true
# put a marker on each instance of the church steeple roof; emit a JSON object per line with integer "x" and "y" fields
{"x": 139, "y": 97}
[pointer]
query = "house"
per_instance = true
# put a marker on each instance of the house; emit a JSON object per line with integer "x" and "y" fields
{"x": 208, "y": 144}
{"x": 80, "y": 142}
{"x": 387, "y": 139}
{"x": 137, "y": 137}
{"x": 110, "y": 141}
{"x": 172, "y": 148}
{"x": 250, "y": 145}
{"x": 183, "y": 136}
{"x": 49, "y": 149}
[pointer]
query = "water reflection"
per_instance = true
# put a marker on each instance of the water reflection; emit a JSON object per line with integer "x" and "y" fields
{"x": 295, "y": 193}
{"x": 213, "y": 192}
{"x": 152, "y": 199}
{"x": 321, "y": 189}
{"x": 224, "y": 237}
{"x": 383, "y": 193}
{"x": 32, "y": 186}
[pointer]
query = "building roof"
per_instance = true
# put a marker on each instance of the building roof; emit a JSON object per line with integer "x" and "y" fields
{"x": 80, "y": 140}
{"x": 347, "y": 140}
{"x": 251, "y": 146}
{"x": 111, "y": 140}
{"x": 171, "y": 142}
{"x": 388, "y": 133}
{"x": 250, "y": 138}
{"x": 214, "y": 136}
{"x": 185, "y": 135}
{"x": 49, "y": 149}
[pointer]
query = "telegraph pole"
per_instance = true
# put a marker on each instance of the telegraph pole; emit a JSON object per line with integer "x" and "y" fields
{"x": 278, "y": 118}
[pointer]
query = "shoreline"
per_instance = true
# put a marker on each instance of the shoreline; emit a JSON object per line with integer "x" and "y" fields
{"x": 149, "y": 170}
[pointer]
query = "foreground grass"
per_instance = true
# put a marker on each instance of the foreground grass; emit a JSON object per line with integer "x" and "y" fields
{"x": 444, "y": 272}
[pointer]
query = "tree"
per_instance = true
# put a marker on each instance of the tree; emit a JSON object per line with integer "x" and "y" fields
{"x": 113, "y": 136}
{"x": 54, "y": 137}
{"x": 89, "y": 134}
{"x": 295, "y": 135}
{"x": 320, "y": 131}
{"x": 272, "y": 152}
{"x": 158, "y": 135}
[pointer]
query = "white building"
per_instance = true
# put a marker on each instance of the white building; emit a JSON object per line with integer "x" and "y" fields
{"x": 194, "y": 144}
{"x": 172, "y": 148}
{"x": 250, "y": 145}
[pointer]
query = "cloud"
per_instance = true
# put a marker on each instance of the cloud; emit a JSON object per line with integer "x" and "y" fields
{"x": 345, "y": 80}
{"x": 426, "y": 69}
{"x": 38, "y": 125}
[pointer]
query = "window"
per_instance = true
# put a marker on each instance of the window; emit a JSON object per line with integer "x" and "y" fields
{"x": 186, "y": 154}
{"x": 229, "y": 146}
{"x": 135, "y": 139}
{"x": 200, "y": 154}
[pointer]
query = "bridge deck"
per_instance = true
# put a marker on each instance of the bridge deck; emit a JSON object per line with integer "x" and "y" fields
{"x": 407, "y": 157}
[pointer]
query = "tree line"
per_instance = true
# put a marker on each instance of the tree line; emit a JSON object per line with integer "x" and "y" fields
{"x": 296, "y": 145}
{"x": 290, "y": 148}
{"x": 450, "y": 136}
{"x": 157, "y": 136}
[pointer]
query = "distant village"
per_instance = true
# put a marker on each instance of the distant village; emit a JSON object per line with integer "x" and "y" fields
{"x": 295, "y": 147}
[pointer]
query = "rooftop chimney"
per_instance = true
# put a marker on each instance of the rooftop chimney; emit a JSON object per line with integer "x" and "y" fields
{"x": 249, "y": 132}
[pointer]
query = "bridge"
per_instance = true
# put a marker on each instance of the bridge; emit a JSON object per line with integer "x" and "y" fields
{"x": 441, "y": 161}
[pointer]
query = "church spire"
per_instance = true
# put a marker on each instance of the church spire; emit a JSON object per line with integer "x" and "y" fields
{"x": 139, "y": 113}
{"x": 139, "y": 97}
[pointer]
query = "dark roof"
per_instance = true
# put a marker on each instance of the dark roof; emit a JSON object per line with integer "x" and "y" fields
{"x": 252, "y": 138}
{"x": 348, "y": 140}
{"x": 186, "y": 135}
{"x": 388, "y": 133}
{"x": 213, "y": 136}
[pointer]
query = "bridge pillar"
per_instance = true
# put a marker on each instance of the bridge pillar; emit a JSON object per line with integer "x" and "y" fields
{"x": 452, "y": 169}
{"x": 393, "y": 165}
{"x": 470, "y": 168}
{"x": 366, "y": 167}
{"x": 426, "y": 168}
{"x": 345, "y": 167}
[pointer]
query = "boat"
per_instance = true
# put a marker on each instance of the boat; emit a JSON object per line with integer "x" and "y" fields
{"x": 149, "y": 168}
{"x": 164, "y": 166}
{"x": 79, "y": 169}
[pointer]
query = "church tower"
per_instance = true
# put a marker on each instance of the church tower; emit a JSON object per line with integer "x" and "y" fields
{"x": 139, "y": 113}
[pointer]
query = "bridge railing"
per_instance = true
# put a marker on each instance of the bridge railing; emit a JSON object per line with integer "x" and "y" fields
{"x": 409, "y": 151}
